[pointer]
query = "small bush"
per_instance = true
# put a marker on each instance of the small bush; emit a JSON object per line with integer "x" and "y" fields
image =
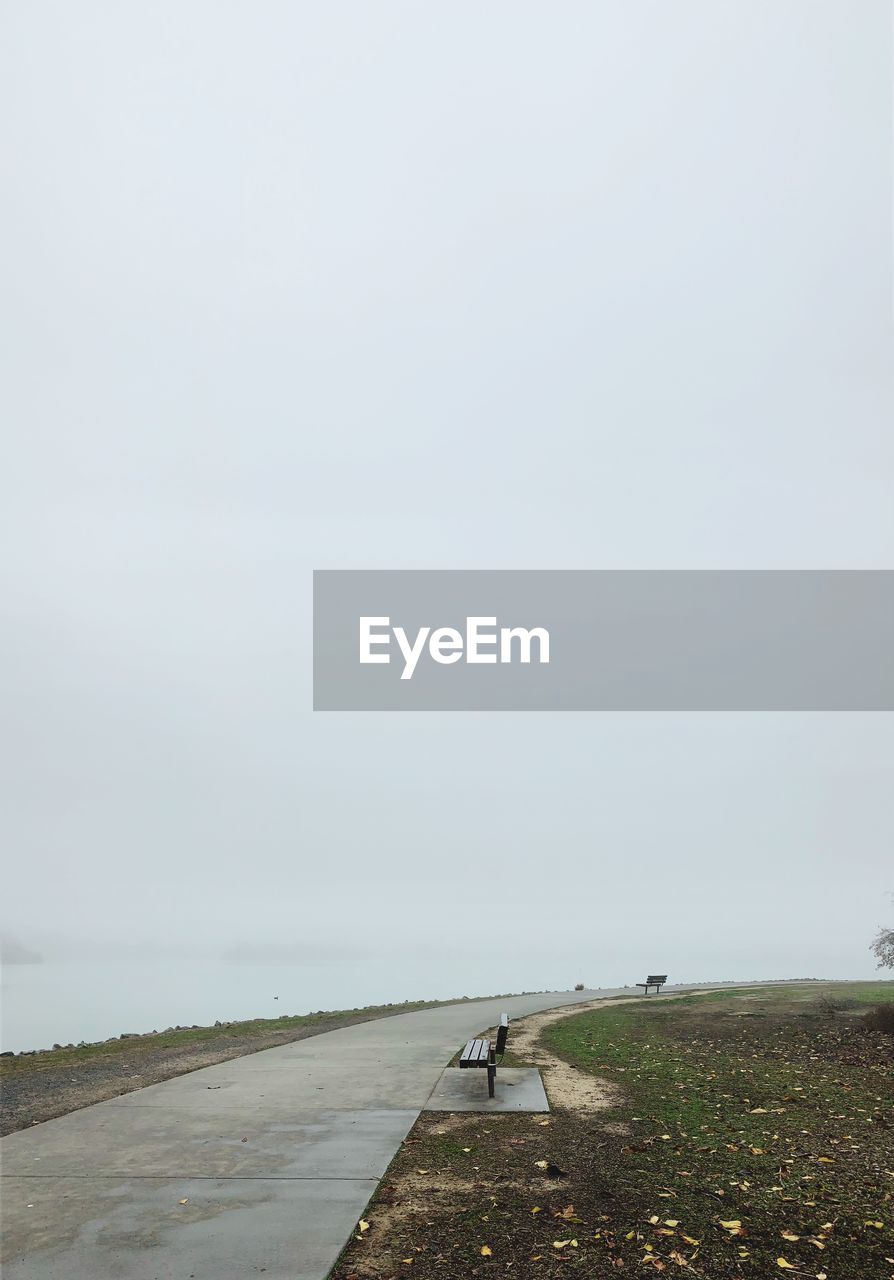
{"x": 881, "y": 1018}
{"x": 579, "y": 986}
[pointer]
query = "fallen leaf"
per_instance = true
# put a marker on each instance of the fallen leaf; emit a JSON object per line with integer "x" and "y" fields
{"x": 732, "y": 1225}
{"x": 562, "y": 1244}
{"x": 185, "y": 1200}
{"x": 486, "y": 1251}
{"x": 363, "y": 1225}
{"x": 786, "y": 1266}
{"x": 789, "y": 1235}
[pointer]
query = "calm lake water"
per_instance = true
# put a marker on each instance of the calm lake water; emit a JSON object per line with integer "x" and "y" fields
{"x": 44, "y": 1004}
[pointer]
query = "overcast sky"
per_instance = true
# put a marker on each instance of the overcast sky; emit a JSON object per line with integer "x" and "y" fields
{"x": 306, "y": 285}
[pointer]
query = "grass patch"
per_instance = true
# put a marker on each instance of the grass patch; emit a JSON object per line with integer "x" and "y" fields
{"x": 752, "y": 1126}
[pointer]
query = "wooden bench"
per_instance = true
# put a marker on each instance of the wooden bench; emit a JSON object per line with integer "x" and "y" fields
{"x": 484, "y": 1053}
{"x": 656, "y": 980}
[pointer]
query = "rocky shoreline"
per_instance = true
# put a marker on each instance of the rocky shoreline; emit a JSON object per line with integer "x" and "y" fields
{"x": 41, "y": 1084}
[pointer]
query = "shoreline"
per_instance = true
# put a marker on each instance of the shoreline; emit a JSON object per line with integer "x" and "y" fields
{"x": 42, "y": 1084}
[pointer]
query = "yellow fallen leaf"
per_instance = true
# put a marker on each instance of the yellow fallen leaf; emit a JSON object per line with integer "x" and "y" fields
{"x": 422, "y": 1171}
{"x": 536, "y": 1209}
{"x": 486, "y": 1251}
{"x": 541, "y": 1164}
{"x": 185, "y": 1200}
{"x": 786, "y": 1266}
{"x": 631, "y": 1235}
{"x": 817, "y": 1244}
{"x": 732, "y": 1225}
{"x": 563, "y": 1244}
{"x": 825, "y": 1159}
{"x": 877, "y": 1225}
{"x": 689, "y": 1239}
{"x": 363, "y": 1225}
{"x": 654, "y": 1218}
{"x": 671, "y": 1222}
{"x": 789, "y": 1235}
{"x": 467, "y": 1150}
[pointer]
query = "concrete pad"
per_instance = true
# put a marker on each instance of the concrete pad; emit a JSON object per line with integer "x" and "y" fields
{"x": 122, "y": 1142}
{"x": 517, "y": 1089}
{"x": 122, "y": 1229}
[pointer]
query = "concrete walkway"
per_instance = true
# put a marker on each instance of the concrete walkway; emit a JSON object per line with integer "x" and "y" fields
{"x": 275, "y": 1156}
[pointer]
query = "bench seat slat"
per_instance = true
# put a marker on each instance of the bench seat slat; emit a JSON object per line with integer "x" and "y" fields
{"x": 475, "y": 1054}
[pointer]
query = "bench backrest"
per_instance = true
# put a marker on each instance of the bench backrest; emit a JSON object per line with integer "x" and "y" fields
{"x": 656, "y": 977}
{"x": 502, "y": 1034}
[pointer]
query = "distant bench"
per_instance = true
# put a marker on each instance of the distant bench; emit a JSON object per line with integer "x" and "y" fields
{"x": 656, "y": 980}
{"x": 484, "y": 1053}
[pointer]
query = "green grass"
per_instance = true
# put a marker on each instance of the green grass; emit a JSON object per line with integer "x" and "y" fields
{"x": 768, "y": 1107}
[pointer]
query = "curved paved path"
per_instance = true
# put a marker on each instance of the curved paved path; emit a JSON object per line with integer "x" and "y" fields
{"x": 276, "y": 1155}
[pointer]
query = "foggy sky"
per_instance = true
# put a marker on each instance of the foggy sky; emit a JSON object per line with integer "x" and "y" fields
{"x": 297, "y": 285}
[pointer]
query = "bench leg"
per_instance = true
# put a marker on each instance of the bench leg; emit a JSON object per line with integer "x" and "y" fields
{"x": 491, "y": 1078}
